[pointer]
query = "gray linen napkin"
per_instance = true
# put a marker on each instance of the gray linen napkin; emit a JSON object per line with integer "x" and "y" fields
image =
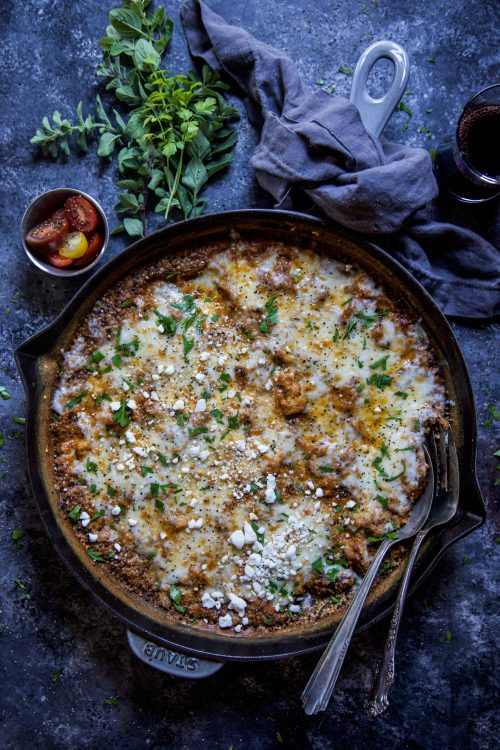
{"x": 315, "y": 145}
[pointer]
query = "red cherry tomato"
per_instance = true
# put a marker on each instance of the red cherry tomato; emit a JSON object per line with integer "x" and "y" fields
{"x": 58, "y": 261}
{"x": 95, "y": 244}
{"x": 47, "y": 236}
{"x": 81, "y": 214}
{"x": 59, "y": 215}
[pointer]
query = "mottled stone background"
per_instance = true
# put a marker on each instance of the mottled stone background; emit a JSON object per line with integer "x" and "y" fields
{"x": 61, "y": 655}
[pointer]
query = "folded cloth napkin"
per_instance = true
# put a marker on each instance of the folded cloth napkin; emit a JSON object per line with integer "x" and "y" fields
{"x": 316, "y": 144}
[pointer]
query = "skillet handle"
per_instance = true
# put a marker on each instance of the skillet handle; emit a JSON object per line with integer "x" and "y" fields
{"x": 376, "y": 112}
{"x": 171, "y": 662}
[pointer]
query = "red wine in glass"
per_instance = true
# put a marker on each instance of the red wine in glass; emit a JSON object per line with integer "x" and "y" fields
{"x": 468, "y": 165}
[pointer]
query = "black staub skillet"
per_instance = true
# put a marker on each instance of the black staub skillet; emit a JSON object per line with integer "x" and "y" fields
{"x": 165, "y": 642}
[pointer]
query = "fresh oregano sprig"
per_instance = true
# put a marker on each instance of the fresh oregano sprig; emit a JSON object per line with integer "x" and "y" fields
{"x": 175, "y": 132}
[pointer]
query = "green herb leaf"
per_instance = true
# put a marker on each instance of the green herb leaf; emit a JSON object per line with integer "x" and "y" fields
{"x": 16, "y": 535}
{"x": 379, "y": 380}
{"x": 175, "y": 595}
{"x": 74, "y": 513}
{"x": 76, "y": 400}
{"x": 95, "y": 555}
{"x": 121, "y": 416}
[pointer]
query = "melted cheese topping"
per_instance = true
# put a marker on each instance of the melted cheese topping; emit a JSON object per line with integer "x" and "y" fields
{"x": 248, "y": 433}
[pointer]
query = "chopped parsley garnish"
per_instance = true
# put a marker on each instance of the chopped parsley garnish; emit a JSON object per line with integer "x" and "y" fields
{"x": 349, "y": 329}
{"x": 111, "y": 491}
{"x": 232, "y": 424}
{"x": 193, "y": 431}
{"x": 247, "y": 333}
{"x": 116, "y": 360}
{"x": 446, "y": 637}
{"x": 99, "y": 513}
{"x": 16, "y": 535}
{"x": 121, "y": 416}
{"x": 74, "y": 401}
{"x": 326, "y": 469}
{"x": 187, "y": 345}
{"x": 175, "y": 595}
{"x": 378, "y": 465}
{"x": 128, "y": 348}
{"x": 256, "y": 527}
{"x": 95, "y": 555}
{"x": 97, "y": 357}
{"x": 267, "y": 620}
{"x": 380, "y": 363}
{"x": 336, "y": 334}
{"x": 102, "y": 397}
{"x": 402, "y": 394}
{"x": 159, "y": 505}
{"x": 74, "y": 513}
{"x": 379, "y": 379}
{"x": 146, "y": 470}
{"x": 215, "y": 318}
{"x": 368, "y": 320}
{"x": 155, "y": 489}
{"x": 91, "y": 466}
{"x": 187, "y": 304}
{"x": 126, "y": 303}
{"x": 271, "y": 317}
{"x": 384, "y": 501}
{"x": 162, "y": 459}
{"x": 167, "y": 322}
{"x": 226, "y": 379}
{"x": 318, "y": 566}
{"x": 4, "y": 393}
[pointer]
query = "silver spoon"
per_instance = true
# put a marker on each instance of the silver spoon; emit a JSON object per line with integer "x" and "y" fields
{"x": 443, "y": 509}
{"x": 322, "y": 681}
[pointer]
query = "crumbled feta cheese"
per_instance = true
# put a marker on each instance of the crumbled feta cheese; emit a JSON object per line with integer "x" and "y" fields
{"x": 319, "y": 492}
{"x": 204, "y": 356}
{"x": 268, "y": 385}
{"x": 350, "y": 504}
{"x": 145, "y": 394}
{"x": 262, "y": 448}
{"x": 169, "y": 370}
{"x": 140, "y": 451}
{"x": 200, "y": 377}
{"x": 131, "y": 404}
{"x": 249, "y": 533}
{"x": 154, "y": 396}
{"x": 132, "y": 521}
{"x": 118, "y": 547}
{"x": 226, "y": 621}
{"x": 237, "y": 539}
{"x": 116, "y": 510}
{"x": 179, "y": 405}
{"x": 114, "y": 405}
{"x": 130, "y": 436}
{"x": 163, "y": 535}
{"x": 120, "y": 467}
{"x": 201, "y": 406}
{"x": 237, "y": 603}
{"x": 92, "y": 537}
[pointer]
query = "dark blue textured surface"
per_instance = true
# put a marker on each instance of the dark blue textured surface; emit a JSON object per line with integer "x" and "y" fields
{"x": 446, "y": 693}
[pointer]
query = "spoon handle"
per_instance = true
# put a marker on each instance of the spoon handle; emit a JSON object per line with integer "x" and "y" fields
{"x": 322, "y": 681}
{"x": 378, "y": 700}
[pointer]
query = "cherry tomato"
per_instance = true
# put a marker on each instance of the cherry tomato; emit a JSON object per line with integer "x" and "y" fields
{"x": 75, "y": 245}
{"x": 95, "y": 244}
{"x": 58, "y": 261}
{"x": 81, "y": 214}
{"x": 59, "y": 215}
{"x": 47, "y": 236}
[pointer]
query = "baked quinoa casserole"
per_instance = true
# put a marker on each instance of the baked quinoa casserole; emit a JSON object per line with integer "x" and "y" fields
{"x": 236, "y": 428}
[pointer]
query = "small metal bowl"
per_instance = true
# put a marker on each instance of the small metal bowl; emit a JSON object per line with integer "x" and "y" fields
{"x": 41, "y": 209}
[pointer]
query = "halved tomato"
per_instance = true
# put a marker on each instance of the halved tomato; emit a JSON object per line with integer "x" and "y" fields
{"x": 59, "y": 215}
{"x": 74, "y": 246}
{"x": 58, "y": 261}
{"x": 47, "y": 236}
{"x": 95, "y": 244}
{"x": 81, "y": 214}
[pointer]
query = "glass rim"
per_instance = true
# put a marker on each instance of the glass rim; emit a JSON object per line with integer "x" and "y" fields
{"x": 486, "y": 180}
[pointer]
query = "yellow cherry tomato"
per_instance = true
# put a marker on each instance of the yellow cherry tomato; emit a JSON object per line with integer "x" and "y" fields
{"x": 74, "y": 246}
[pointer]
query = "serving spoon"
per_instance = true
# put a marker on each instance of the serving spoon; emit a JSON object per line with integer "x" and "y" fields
{"x": 318, "y": 690}
{"x": 443, "y": 509}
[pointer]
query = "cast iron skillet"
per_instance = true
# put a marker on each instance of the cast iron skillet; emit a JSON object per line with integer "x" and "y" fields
{"x": 37, "y": 362}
